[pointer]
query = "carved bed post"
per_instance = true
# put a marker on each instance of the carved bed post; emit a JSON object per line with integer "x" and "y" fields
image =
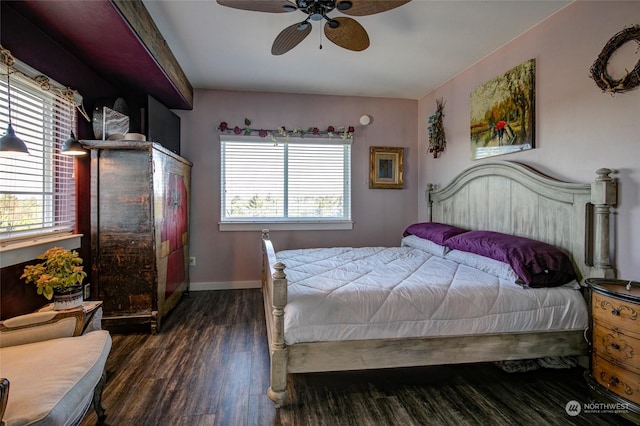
{"x": 427, "y": 196}
{"x": 278, "y": 390}
{"x": 603, "y": 196}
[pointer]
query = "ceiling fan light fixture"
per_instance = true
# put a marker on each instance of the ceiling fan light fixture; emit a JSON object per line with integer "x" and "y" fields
{"x": 342, "y": 31}
{"x": 344, "y": 5}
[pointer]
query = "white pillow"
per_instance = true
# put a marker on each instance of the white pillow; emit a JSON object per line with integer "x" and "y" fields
{"x": 485, "y": 264}
{"x": 424, "y": 245}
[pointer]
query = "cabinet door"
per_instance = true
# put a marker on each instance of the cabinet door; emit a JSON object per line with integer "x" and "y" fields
{"x": 122, "y": 231}
{"x": 171, "y": 207}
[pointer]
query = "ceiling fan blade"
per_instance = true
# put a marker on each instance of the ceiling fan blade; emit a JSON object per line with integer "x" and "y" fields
{"x": 349, "y": 34}
{"x": 272, "y": 6}
{"x": 289, "y": 38}
{"x": 371, "y": 7}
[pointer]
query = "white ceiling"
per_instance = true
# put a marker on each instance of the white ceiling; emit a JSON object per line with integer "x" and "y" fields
{"x": 414, "y": 48}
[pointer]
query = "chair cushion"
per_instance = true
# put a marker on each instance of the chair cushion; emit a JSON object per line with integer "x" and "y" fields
{"x": 52, "y": 382}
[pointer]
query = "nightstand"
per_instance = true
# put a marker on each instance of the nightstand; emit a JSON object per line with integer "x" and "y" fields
{"x": 92, "y": 311}
{"x": 614, "y": 373}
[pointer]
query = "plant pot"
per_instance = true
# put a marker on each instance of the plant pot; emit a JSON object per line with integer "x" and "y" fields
{"x": 67, "y": 298}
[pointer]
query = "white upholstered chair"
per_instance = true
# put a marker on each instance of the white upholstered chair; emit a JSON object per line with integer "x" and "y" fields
{"x": 50, "y": 370}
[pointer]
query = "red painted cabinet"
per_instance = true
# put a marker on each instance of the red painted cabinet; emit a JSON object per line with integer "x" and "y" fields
{"x": 139, "y": 231}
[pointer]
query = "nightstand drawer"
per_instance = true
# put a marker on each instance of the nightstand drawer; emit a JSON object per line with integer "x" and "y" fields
{"x": 616, "y": 347}
{"x": 616, "y": 312}
{"x": 617, "y": 380}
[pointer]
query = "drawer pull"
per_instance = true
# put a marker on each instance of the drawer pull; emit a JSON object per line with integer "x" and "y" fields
{"x": 614, "y": 381}
{"x": 623, "y": 350}
{"x": 631, "y": 314}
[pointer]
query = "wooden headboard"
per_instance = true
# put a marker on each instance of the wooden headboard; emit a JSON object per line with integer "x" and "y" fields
{"x": 513, "y": 198}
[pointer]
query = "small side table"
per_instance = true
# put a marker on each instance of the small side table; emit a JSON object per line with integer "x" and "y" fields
{"x": 92, "y": 311}
{"x": 614, "y": 374}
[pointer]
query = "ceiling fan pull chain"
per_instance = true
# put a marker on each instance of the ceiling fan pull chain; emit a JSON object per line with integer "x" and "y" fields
{"x": 320, "y": 39}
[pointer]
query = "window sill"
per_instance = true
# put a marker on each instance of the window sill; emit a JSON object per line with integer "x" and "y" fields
{"x": 19, "y": 252}
{"x": 285, "y": 226}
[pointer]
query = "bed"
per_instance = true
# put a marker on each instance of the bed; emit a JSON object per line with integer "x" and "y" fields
{"x": 494, "y": 197}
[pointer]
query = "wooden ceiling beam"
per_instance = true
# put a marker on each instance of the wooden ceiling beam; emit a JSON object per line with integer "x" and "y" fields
{"x": 138, "y": 18}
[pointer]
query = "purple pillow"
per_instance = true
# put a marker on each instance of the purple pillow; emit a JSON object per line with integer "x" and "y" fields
{"x": 433, "y": 231}
{"x": 537, "y": 264}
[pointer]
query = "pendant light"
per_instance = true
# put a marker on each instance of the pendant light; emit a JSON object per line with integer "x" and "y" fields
{"x": 72, "y": 146}
{"x": 10, "y": 142}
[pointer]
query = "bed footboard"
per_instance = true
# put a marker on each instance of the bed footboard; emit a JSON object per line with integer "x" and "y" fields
{"x": 274, "y": 289}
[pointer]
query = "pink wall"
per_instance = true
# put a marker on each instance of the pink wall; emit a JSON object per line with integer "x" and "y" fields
{"x": 225, "y": 259}
{"x": 578, "y": 128}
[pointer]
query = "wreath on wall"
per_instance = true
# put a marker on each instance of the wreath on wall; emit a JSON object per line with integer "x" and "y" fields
{"x": 599, "y": 68}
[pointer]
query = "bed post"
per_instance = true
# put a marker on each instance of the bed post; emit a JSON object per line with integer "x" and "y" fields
{"x": 278, "y": 390}
{"x": 427, "y": 196}
{"x": 603, "y": 196}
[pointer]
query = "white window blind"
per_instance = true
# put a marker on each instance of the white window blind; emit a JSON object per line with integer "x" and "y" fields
{"x": 37, "y": 191}
{"x": 299, "y": 180}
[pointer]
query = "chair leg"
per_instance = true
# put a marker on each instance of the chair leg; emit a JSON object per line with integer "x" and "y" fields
{"x": 4, "y": 396}
{"x": 97, "y": 398}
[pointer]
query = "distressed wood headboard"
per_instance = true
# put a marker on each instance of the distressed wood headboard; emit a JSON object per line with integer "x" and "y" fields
{"x": 513, "y": 198}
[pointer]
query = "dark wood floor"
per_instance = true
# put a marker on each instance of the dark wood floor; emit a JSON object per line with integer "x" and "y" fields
{"x": 209, "y": 366}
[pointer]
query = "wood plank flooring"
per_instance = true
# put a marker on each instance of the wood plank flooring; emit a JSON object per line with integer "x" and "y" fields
{"x": 209, "y": 366}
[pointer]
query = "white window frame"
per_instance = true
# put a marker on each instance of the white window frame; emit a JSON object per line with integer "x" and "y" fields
{"x": 43, "y": 139}
{"x": 288, "y": 223}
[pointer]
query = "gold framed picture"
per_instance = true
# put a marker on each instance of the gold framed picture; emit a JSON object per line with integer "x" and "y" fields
{"x": 386, "y": 167}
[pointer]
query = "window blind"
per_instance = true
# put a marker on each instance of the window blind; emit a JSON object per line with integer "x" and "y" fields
{"x": 37, "y": 191}
{"x": 294, "y": 181}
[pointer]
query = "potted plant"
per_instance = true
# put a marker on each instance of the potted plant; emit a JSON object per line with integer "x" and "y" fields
{"x": 59, "y": 276}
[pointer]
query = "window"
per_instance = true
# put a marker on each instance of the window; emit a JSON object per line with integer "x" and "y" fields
{"x": 37, "y": 191}
{"x": 299, "y": 181}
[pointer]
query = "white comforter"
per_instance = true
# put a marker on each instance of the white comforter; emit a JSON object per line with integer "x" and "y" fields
{"x": 375, "y": 292}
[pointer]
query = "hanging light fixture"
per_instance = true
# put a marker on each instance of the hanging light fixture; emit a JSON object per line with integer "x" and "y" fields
{"x": 72, "y": 146}
{"x": 10, "y": 142}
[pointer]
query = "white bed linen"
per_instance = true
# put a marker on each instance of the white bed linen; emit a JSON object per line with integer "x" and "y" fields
{"x": 348, "y": 293}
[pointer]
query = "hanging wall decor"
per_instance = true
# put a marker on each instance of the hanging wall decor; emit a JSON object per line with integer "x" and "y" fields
{"x": 503, "y": 113}
{"x": 437, "y": 140}
{"x": 599, "y": 71}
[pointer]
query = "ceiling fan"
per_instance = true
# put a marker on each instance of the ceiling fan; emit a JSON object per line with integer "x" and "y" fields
{"x": 344, "y": 31}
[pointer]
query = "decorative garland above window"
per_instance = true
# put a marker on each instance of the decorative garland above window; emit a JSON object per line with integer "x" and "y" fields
{"x": 44, "y": 82}
{"x": 599, "y": 68}
{"x": 345, "y": 132}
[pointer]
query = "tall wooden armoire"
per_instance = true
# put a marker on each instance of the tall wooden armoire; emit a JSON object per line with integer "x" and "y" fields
{"x": 139, "y": 231}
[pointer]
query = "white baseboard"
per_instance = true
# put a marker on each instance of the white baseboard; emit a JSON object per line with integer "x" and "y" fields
{"x": 229, "y": 285}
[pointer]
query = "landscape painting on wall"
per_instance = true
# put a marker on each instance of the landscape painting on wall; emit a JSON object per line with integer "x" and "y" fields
{"x": 503, "y": 113}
